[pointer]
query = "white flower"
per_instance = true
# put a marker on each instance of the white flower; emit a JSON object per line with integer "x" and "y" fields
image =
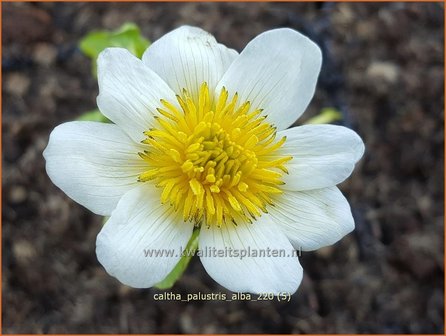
{"x": 200, "y": 139}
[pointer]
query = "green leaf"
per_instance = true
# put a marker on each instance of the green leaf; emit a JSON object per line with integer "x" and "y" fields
{"x": 128, "y": 36}
{"x": 179, "y": 268}
{"x": 327, "y": 115}
{"x": 94, "y": 115}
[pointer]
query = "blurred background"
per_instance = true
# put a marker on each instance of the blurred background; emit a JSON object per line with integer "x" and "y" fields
{"x": 383, "y": 69}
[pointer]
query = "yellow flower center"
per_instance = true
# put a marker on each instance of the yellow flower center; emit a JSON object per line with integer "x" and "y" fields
{"x": 215, "y": 160}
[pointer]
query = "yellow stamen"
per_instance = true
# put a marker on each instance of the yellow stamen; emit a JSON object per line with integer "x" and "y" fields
{"x": 215, "y": 158}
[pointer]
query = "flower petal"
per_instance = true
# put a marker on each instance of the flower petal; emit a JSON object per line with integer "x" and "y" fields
{"x": 255, "y": 274}
{"x": 188, "y": 56}
{"x": 129, "y": 91}
{"x": 142, "y": 241}
{"x": 314, "y": 218}
{"x": 93, "y": 163}
{"x": 277, "y": 71}
{"x": 323, "y": 155}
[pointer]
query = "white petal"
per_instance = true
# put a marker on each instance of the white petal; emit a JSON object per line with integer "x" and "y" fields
{"x": 93, "y": 163}
{"x": 188, "y": 56}
{"x": 129, "y": 91}
{"x": 277, "y": 71}
{"x": 139, "y": 226}
{"x": 323, "y": 155}
{"x": 314, "y": 218}
{"x": 261, "y": 274}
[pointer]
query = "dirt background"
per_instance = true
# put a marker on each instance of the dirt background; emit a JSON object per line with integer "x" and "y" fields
{"x": 383, "y": 68}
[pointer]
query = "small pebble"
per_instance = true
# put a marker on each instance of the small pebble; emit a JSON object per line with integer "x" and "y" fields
{"x": 17, "y": 195}
{"x": 44, "y": 54}
{"x": 386, "y": 71}
{"x": 17, "y": 84}
{"x": 23, "y": 251}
